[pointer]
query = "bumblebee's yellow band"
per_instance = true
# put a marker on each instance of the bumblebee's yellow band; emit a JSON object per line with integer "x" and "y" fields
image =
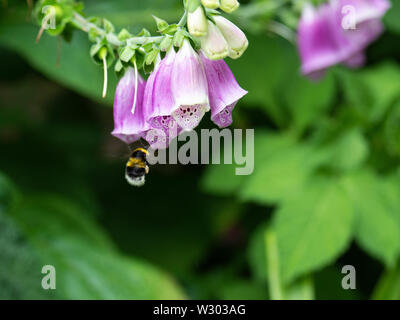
{"x": 136, "y": 162}
{"x": 141, "y": 149}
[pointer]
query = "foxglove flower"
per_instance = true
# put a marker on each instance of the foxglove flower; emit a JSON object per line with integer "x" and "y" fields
{"x": 224, "y": 91}
{"x": 235, "y": 37}
{"x": 189, "y": 88}
{"x": 160, "y": 103}
{"x": 129, "y": 127}
{"x": 214, "y": 44}
{"x": 323, "y": 41}
{"x": 367, "y": 19}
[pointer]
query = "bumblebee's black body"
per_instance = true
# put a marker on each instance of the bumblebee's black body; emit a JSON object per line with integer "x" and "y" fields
{"x": 137, "y": 167}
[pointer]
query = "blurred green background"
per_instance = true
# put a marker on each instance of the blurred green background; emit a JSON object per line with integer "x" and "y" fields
{"x": 325, "y": 191}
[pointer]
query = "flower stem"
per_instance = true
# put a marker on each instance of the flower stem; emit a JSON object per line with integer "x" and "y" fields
{"x": 183, "y": 20}
{"x": 84, "y": 25}
{"x": 136, "y": 87}
{"x": 105, "y": 77}
{"x": 42, "y": 28}
{"x": 281, "y": 30}
{"x": 144, "y": 40}
{"x": 273, "y": 274}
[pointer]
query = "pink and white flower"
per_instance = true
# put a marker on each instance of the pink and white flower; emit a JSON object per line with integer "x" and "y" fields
{"x": 189, "y": 88}
{"x": 224, "y": 91}
{"x": 129, "y": 127}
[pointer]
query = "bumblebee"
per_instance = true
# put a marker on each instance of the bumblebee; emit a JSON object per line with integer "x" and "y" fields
{"x": 137, "y": 167}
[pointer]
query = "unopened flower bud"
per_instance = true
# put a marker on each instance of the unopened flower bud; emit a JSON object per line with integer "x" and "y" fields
{"x": 214, "y": 44}
{"x": 197, "y": 22}
{"x": 235, "y": 37}
{"x": 210, "y": 4}
{"x": 229, "y": 5}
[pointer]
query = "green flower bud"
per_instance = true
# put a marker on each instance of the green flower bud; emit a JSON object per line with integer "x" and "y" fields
{"x": 235, "y": 37}
{"x": 229, "y": 5}
{"x": 197, "y": 22}
{"x": 213, "y": 44}
{"x": 210, "y": 4}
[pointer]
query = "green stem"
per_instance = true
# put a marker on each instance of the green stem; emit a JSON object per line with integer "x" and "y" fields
{"x": 281, "y": 30}
{"x": 84, "y": 25}
{"x": 183, "y": 20}
{"x": 273, "y": 274}
{"x": 105, "y": 77}
{"x": 144, "y": 40}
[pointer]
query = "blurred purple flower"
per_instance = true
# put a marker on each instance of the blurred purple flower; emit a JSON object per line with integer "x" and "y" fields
{"x": 338, "y": 32}
{"x": 224, "y": 91}
{"x": 127, "y": 126}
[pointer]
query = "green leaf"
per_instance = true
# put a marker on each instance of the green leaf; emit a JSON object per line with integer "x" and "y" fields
{"x": 377, "y": 227}
{"x": 7, "y": 194}
{"x": 392, "y": 18}
{"x": 349, "y": 151}
{"x": 151, "y": 56}
{"x": 126, "y": 54}
{"x": 265, "y": 86}
{"x": 170, "y": 30}
{"x": 46, "y": 217}
{"x": 308, "y": 100}
{"x": 166, "y": 44}
{"x": 87, "y": 265}
{"x": 161, "y": 24}
{"x": 256, "y": 253}
{"x": 388, "y": 287}
{"x": 221, "y": 179}
{"x": 372, "y": 91}
{"x": 75, "y": 67}
{"x": 281, "y": 171}
{"x": 20, "y": 266}
{"x": 135, "y": 14}
{"x": 313, "y": 228}
{"x": 124, "y": 35}
{"x": 392, "y": 130}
